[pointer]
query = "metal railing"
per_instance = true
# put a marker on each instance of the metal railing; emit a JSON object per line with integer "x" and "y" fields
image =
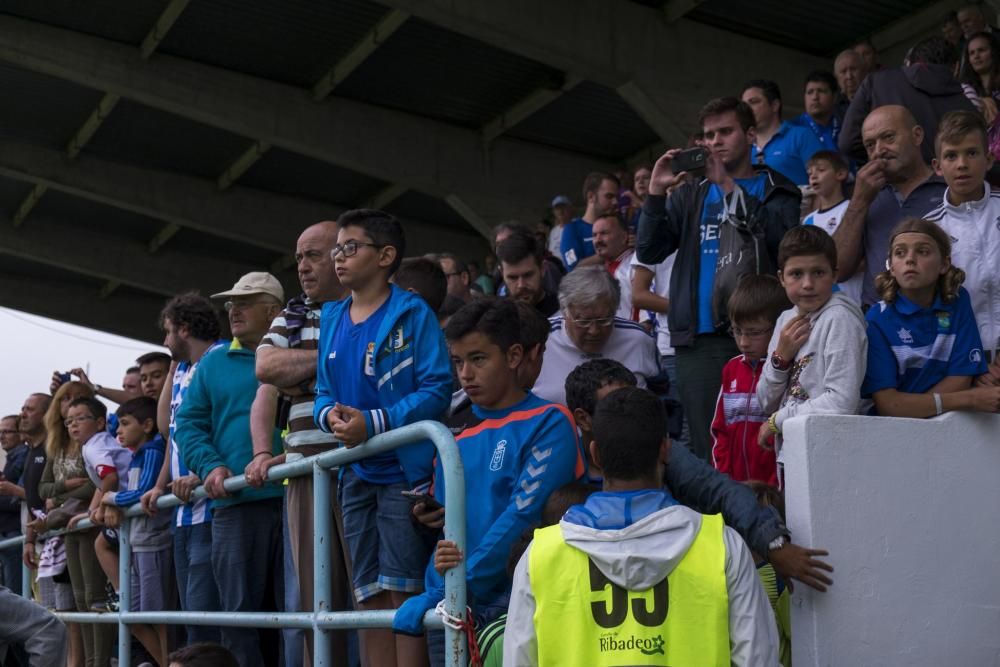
{"x": 322, "y": 619}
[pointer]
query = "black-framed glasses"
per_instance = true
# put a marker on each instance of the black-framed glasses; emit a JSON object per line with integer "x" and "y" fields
{"x": 736, "y": 332}
{"x": 350, "y": 249}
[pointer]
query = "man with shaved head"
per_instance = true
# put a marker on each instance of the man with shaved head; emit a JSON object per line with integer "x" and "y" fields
{"x": 286, "y": 368}
{"x": 925, "y": 85}
{"x": 895, "y": 184}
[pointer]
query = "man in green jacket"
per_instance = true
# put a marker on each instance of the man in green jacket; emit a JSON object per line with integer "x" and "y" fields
{"x": 213, "y": 435}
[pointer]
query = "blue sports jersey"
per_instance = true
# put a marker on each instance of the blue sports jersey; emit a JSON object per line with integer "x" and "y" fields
{"x": 355, "y": 384}
{"x": 577, "y": 242}
{"x": 911, "y": 348}
{"x": 788, "y": 151}
{"x": 713, "y": 212}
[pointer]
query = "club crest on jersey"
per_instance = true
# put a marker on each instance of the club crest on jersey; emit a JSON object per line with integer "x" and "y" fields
{"x": 397, "y": 341}
{"x": 497, "y": 461}
{"x": 905, "y": 336}
{"x": 370, "y": 360}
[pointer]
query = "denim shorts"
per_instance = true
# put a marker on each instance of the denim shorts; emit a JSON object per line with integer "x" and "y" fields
{"x": 388, "y": 552}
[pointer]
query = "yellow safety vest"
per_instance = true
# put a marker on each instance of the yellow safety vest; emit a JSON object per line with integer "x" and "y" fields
{"x": 583, "y": 619}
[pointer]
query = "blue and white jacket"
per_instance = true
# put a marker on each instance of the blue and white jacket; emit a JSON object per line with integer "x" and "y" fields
{"x": 413, "y": 371}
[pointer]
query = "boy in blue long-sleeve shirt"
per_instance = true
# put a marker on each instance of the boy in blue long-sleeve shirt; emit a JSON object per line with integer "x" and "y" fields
{"x": 523, "y": 449}
{"x": 382, "y": 364}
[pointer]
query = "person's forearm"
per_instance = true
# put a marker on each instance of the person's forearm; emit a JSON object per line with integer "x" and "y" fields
{"x": 285, "y": 368}
{"x": 163, "y": 402}
{"x": 164, "y": 477}
{"x": 893, "y": 403}
{"x": 113, "y": 395}
{"x": 848, "y": 238}
{"x": 649, "y": 301}
{"x": 262, "y": 415}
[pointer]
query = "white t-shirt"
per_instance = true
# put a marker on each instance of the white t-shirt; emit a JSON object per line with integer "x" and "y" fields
{"x": 555, "y": 240}
{"x": 660, "y": 287}
{"x": 623, "y": 274}
{"x": 629, "y": 344}
{"x": 103, "y": 451}
{"x": 828, "y": 220}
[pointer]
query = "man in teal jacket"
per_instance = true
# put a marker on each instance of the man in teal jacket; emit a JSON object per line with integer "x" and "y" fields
{"x": 213, "y": 436}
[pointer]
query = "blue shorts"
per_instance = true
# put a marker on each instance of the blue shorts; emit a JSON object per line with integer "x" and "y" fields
{"x": 388, "y": 551}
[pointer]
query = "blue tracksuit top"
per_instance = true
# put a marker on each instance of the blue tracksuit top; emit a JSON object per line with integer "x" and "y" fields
{"x": 413, "y": 371}
{"x": 513, "y": 459}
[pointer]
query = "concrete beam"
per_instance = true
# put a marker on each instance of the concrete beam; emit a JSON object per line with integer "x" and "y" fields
{"x": 433, "y": 157}
{"x": 359, "y": 53}
{"x": 163, "y": 24}
{"x": 132, "y": 315}
{"x": 676, "y": 9}
{"x": 386, "y": 196}
{"x": 524, "y": 108}
{"x": 89, "y": 251}
{"x": 660, "y": 120}
{"x": 240, "y": 165}
{"x": 469, "y": 215}
{"x": 915, "y": 24}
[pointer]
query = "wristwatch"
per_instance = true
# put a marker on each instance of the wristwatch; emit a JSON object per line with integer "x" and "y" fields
{"x": 777, "y": 543}
{"x": 779, "y": 362}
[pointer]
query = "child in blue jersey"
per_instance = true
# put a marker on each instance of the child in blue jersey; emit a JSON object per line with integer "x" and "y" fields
{"x": 523, "y": 449}
{"x": 924, "y": 349}
{"x": 382, "y": 364}
{"x": 152, "y": 562}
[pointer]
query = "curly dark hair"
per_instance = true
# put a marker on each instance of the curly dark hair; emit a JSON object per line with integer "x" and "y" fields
{"x": 195, "y": 312}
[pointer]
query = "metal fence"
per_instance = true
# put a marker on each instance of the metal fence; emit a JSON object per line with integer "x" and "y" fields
{"x": 321, "y": 620}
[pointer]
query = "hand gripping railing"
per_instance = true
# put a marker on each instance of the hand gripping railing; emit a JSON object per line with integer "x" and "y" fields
{"x": 322, "y": 619}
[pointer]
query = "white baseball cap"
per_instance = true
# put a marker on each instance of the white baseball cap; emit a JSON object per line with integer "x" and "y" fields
{"x": 255, "y": 282}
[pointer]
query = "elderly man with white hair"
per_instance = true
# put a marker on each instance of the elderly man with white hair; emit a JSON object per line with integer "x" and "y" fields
{"x": 586, "y": 328}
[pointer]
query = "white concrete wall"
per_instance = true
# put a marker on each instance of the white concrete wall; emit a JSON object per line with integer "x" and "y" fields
{"x": 910, "y": 512}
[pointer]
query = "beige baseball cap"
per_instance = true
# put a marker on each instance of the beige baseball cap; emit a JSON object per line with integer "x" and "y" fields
{"x": 255, "y": 282}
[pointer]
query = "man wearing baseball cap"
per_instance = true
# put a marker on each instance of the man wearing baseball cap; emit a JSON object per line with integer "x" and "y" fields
{"x": 213, "y": 438}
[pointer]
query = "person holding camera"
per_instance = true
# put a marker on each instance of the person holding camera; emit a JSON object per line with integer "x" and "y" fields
{"x": 732, "y": 189}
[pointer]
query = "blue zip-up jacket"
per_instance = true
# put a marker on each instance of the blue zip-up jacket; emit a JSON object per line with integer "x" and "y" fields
{"x": 213, "y": 423}
{"x": 142, "y": 472}
{"x": 413, "y": 371}
{"x": 513, "y": 460}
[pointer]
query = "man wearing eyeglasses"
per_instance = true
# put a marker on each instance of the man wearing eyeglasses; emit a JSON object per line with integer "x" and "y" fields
{"x": 213, "y": 436}
{"x": 586, "y": 328}
{"x": 11, "y": 494}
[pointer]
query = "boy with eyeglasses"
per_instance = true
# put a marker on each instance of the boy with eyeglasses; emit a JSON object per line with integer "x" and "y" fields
{"x": 754, "y": 307}
{"x": 383, "y": 364}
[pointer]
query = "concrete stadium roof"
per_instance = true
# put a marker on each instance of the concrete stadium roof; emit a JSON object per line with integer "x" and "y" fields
{"x": 153, "y": 146}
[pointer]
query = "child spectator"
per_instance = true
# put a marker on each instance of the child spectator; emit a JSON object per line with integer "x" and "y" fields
{"x": 968, "y": 214}
{"x": 923, "y": 344}
{"x": 152, "y": 566}
{"x": 523, "y": 449}
{"x": 754, "y": 307}
{"x": 817, "y": 351}
{"x": 425, "y": 278}
{"x": 827, "y": 174}
{"x": 573, "y": 589}
{"x": 775, "y": 587}
{"x": 383, "y": 364}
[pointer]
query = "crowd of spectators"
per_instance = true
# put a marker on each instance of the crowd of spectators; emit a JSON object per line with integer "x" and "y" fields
{"x": 617, "y": 383}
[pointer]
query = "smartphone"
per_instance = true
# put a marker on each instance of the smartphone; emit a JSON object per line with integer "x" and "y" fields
{"x": 64, "y": 378}
{"x": 690, "y": 160}
{"x": 429, "y": 501}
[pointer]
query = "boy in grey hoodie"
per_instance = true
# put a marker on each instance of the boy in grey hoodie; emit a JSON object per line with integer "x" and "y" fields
{"x": 818, "y": 351}
{"x": 638, "y": 548}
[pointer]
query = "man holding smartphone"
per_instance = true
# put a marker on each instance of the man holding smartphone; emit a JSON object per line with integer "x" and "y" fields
{"x": 688, "y": 222}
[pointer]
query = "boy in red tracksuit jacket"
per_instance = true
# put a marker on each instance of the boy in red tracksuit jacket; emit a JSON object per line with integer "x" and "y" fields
{"x": 754, "y": 308}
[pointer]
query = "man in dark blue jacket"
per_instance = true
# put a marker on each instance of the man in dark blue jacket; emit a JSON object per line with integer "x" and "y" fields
{"x": 10, "y": 499}
{"x": 689, "y": 223}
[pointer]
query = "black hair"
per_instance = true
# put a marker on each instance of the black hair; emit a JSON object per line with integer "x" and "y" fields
{"x": 154, "y": 358}
{"x": 131, "y": 369}
{"x": 805, "y": 240}
{"x": 770, "y": 89}
{"x": 382, "y": 228}
{"x": 757, "y": 296}
{"x": 460, "y": 265}
{"x": 823, "y": 76}
{"x": 425, "y": 277}
{"x": 721, "y": 105}
{"x": 203, "y": 654}
{"x": 534, "y": 326}
{"x": 583, "y": 382}
{"x": 97, "y": 409}
{"x": 495, "y": 318}
{"x": 519, "y": 246}
{"x": 629, "y": 427}
{"x": 969, "y": 76}
{"x": 141, "y": 408}
{"x": 195, "y": 312}
{"x": 933, "y": 51}
{"x": 451, "y": 305}
{"x": 835, "y": 159}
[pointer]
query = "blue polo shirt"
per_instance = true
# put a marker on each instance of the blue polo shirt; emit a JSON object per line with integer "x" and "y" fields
{"x": 884, "y": 213}
{"x": 577, "y": 242}
{"x": 788, "y": 151}
{"x": 911, "y": 348}
{"x": 827, "y": 134}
